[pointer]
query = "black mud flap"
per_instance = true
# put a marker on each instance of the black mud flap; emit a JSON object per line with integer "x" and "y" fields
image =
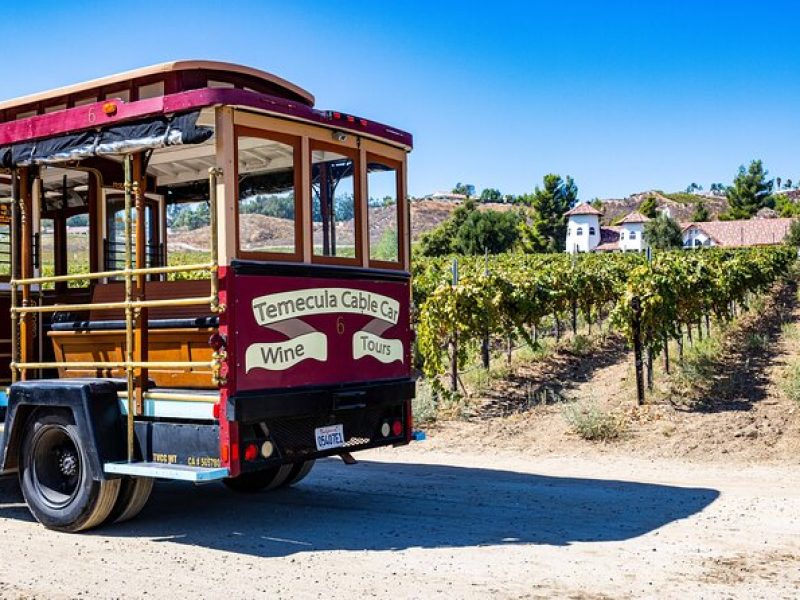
{"x": 94, "y": 406}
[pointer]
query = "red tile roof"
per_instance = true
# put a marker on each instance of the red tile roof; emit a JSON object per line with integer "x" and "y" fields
{"x": 634, "y": 217}
{"x": 583, "y": 209}
{"x": 607, "y": 247}
{"x": 752, "y": 232}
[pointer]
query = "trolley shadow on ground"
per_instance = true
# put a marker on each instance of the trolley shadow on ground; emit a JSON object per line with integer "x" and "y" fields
{"x": 12, "y": 505}
{"x": 385, "y": 506}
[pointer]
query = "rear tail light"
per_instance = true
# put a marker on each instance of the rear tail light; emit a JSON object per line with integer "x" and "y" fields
{"x": 397, "y": 427}
{"x": 251, "y": 452}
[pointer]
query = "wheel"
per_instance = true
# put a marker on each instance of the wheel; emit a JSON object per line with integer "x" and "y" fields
{"x": 299, "y": 472}
{"x": 55, "y": 479}
{"x": 134, "y": 492}
{"x": 268, "y": 479}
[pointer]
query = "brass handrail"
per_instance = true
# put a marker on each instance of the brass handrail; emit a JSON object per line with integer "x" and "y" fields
{"x": 119, "y": 364}
{"x": 124, "y": 304}
{"x": 119, "y": 273}
{"x": 175, "y": 396}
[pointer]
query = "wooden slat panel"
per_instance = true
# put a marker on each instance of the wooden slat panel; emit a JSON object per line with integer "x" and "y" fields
{"x": 185, "y": 344}
{"x": 155, "y": 290}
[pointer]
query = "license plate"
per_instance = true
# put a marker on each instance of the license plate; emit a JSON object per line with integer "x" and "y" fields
{"x": 329, "y": 437}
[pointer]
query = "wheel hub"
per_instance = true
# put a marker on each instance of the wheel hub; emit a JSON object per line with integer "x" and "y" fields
{"x": 68, "y": 463}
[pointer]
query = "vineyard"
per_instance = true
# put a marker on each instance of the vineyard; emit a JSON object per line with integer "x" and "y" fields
{"x": 466, "y": 303}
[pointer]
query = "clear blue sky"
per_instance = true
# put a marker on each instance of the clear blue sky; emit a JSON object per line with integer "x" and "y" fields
{"x": 624, "y": 96}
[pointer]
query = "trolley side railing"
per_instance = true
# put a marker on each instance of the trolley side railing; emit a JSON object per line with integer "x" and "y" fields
{"x": 133, "y": 321}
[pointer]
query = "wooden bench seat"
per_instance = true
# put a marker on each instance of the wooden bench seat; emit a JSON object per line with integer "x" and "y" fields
{"x": 175, "y": 333}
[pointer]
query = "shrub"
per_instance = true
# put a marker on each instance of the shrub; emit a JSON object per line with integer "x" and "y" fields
{"x": 580, "y": 345}
{"x": 593, "y": 424}
{"x": 757, "y": 342}
{"x": 424, "y": 404}
{"x": 791, "y": 382}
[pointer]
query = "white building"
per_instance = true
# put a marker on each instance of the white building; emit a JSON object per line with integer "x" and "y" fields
{"x": 631, "y": 234}
{"x": 583, "y": 228}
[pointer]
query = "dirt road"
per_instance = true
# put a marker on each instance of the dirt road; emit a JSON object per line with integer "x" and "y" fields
{"x": 436, "y": 524}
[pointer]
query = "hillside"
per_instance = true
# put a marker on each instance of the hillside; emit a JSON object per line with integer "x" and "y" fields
{"x": 261, "y": 231}
{"x": 681, "y": 206}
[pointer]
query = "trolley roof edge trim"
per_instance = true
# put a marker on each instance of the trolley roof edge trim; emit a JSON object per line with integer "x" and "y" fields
{"x": 92, "y": 116}
{"x": 167, "y": 67}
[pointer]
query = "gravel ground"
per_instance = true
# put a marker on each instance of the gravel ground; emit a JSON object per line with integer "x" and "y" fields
{"x": 418, "y": 522}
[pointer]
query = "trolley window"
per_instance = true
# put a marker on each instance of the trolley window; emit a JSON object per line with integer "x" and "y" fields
{"x": 384, "y": 217}
{"x": 268, "y": 216}
{"x": 335, "y": 211}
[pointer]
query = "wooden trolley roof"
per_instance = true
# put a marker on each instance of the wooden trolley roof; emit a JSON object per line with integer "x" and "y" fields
{"x": 171, "y": 88}
{"x": 177, "y": 76}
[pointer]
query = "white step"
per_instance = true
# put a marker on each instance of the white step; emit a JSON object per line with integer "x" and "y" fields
{"x": 162, "y": 471}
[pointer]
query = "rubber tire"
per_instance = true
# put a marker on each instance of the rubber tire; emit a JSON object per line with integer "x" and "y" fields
{"x": 93, "y": 500}
{"x": 299, "y": 472}
{"x": 134, "y": 492}
{"x": 257, "y": 481}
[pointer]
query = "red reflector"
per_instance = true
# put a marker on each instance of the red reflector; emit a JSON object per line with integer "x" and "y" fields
{"x": 235, "y": 452}
{"x": 215, "y": 411}
{"x": 397, "y": 428}
{"x": 251, "y": 453}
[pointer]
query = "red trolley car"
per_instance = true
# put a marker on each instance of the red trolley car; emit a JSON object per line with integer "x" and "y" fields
{"x": 207, "y": 278}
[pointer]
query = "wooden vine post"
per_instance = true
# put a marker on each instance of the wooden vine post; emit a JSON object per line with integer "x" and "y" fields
{"x": 636, "y": 326}
{"x": 485, "y": 342}
{"x": 454, "y": 340}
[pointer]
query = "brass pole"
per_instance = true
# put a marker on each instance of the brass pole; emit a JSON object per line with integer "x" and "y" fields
{"x": 25, "y": 262}
{"x": 15, "y": 231}
{"x": 142, "y": 318}
{"x": 129, "y": 306}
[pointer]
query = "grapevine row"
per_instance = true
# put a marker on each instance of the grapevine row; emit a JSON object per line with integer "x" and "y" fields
{"x": 511, "y": 294}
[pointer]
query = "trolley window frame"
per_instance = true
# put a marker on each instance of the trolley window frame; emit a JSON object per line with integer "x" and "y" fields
{"x": 353, "y": 154}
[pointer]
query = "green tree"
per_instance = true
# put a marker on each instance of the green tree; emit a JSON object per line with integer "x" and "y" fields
{"x": 596, "y": 203}
{"x": 491, "y": 195}
{"x": 751, "y": 191}
{"x": 78, "y": 221}
{"x": 663, "y": 233}
{"x": 793, "y": 237}
{"x": 648, "y": 207}
{"x": 487, "y": 230}
{"x": 193, "y": 217}
{"x": 700, "y": 213}
{"x": 546, "y": 232}
{"x": 472, "y": 231}
{"x": 465, "y": 189}
{"x": 786, "y": 207}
